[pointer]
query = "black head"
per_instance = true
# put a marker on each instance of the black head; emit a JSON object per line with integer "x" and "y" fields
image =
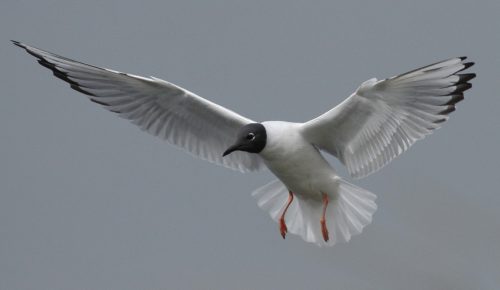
{"x": 251, "y": 138}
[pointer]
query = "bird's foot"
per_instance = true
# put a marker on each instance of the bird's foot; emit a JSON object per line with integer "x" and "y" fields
{"x": 283, "y": 228}
{"x": 324, "y": 230}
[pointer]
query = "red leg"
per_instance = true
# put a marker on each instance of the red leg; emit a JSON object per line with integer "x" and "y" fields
{"x": 283, "y": 229}
{"x": 324, "y": 229}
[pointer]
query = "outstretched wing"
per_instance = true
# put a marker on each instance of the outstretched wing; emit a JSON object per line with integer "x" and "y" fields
{"x": 161, "y": 108}
{"x": 384, "y": 118}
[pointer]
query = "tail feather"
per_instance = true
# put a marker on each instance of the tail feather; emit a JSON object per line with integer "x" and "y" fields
{"x": 350, "y": 210}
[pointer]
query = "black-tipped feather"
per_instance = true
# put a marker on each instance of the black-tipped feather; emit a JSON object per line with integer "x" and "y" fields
{"x": 460, "y": 88}
{"x": 466, "y": 65}
{"x": 448, "y": 110}
{"x": 463, "y": 78}
{"x": 455, "y": 99}
{"x": 457, "y": 95}
{"x": 100, "y": 103}
{"x": 57, "y": 73}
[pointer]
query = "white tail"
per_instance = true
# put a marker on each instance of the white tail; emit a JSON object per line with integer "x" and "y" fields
{"x": 349, "y": 211}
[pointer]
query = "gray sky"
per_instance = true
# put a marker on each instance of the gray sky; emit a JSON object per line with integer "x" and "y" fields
{"x": 88, "y": 201}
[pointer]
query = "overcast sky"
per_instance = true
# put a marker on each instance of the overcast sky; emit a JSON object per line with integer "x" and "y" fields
{"x": 88, "y": 201}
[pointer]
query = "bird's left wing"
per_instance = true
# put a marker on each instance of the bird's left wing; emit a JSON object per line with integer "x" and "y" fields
{"x": 163, "y": 109}
{"x": 384, "y": 118}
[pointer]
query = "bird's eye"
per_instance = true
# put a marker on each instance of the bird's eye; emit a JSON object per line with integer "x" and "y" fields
{"x": 250, "y": 136}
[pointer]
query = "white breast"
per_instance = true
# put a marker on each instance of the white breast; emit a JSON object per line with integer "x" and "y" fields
{"x": 295, "y": 161}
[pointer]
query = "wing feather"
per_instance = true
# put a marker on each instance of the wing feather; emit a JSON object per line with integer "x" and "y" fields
{"x": 163, "y": 109}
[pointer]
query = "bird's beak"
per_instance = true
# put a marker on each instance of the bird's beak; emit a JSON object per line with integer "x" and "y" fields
{"x": 231, "y": 149}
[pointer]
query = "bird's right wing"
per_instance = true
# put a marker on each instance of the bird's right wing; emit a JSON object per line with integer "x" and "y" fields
{"x": 163, "y": 109}
{"x": 384, "y": 118}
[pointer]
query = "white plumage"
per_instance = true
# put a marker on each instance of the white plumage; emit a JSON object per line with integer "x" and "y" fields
{"x": 379, "y": 121}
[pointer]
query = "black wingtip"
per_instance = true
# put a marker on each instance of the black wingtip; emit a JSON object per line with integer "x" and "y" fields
{"x": 55, "y": 70}
{"x": 440, "y": 121}
{"x": 462, "y": 58}
{"x": 466, "y": 66}
{"x": 460, "y": 88}
{"x": 99, "y": 102}
{"x": 463, "y": 78}
{"x": 17, "y": 43}
{"x": 455, "y": 99}
{"x": 448, "y": 110}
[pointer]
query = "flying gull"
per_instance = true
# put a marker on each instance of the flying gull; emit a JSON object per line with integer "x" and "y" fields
{"x": 375, "y": 124}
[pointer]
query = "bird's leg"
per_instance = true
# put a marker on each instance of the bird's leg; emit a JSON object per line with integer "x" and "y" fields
{"x": 283, "y": 229}
{"x": 324, "y": 229}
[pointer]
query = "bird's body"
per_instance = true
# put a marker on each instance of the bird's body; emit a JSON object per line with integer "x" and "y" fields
{"x": 378, "y": 122}
{"x": 297, "y": 162}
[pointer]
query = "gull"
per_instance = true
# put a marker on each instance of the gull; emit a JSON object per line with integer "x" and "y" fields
{"x": 375, "y": 124}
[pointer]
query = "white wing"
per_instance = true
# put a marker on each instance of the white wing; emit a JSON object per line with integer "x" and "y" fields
{"x": 384, "y": 118}
{"x": 161, "y": 108}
